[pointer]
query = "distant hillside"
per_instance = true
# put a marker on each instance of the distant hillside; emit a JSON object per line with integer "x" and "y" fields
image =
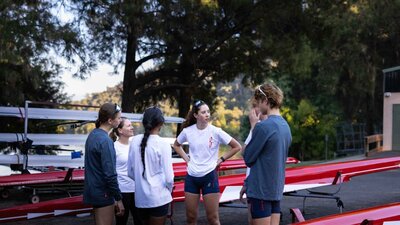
{"x": 231, "y": 95}
{"x": 113, "y": 94}
{"x": 231, "y": 108}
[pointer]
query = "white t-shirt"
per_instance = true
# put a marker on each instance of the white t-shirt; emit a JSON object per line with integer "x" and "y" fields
{"x": 203, "y": 147}
{"x": 126, "y": 184}
{"x": 155, "y": 188}
{"x": 246, "y": 142}
{"x": 248, "y": 139}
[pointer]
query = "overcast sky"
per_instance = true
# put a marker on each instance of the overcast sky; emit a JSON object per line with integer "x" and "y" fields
{"x": 97, "y": 82}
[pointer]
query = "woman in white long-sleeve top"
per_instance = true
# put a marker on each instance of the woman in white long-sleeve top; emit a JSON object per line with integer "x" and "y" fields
{"x": 121, "y": 136}
{"x": 150, "y": 165}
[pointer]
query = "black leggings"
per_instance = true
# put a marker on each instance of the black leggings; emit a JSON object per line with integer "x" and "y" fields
{"x": 128, "y": 199}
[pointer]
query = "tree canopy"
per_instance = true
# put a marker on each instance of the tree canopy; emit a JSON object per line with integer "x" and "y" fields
{"x": 326, "y": 55}
{"x": 193, "y": 46}
{"x": 31, "y": 37}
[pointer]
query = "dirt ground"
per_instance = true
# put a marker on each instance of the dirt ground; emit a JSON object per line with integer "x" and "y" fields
{"x": 361, "y": 192}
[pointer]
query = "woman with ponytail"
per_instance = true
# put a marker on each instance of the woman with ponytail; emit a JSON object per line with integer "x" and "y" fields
{"x": 101, "y": 185}
{"x": 121, "y": 136}
{"x": 204, "y": 140}
{"x": 150, "y": 166}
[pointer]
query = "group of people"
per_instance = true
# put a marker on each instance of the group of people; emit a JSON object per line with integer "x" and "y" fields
{"x": 126, "y": 173}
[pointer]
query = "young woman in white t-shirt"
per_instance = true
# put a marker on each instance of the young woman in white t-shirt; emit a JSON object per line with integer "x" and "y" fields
{"x": 204, "y": 140}
{"x": 121, "y": 136}
{"x": 150, "y": 165}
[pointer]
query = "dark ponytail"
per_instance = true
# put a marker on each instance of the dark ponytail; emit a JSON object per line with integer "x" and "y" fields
{"x": 152, "y": 118}
{"x": 143, "y": 146}
{"x": 190, "y": 119}
{"x": 97, "y": 123}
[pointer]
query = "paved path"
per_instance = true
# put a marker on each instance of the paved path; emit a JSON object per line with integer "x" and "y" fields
{"x": 361, "y": 192}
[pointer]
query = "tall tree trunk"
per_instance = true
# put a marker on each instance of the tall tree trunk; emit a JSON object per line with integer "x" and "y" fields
{"x": 184, "y": 105}
{"x": 129, "y": 87}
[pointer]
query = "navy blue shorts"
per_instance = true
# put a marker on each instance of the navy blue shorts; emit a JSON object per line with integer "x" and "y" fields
{"x": 207, "y": 184}
{"x": 262, "y": 208}
{"x": 159, "y": 211}
{"x": 102, "y": 205}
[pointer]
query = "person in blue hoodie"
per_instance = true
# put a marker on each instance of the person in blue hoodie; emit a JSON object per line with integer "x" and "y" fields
{"x": 101, "y": 185}
{"x": 266, "y": 155}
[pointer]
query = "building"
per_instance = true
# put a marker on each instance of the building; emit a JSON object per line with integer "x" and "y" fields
{"x": 391, "y": 109}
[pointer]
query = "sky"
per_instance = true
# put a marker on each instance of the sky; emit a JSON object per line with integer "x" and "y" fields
{"x": 98, "y": 81}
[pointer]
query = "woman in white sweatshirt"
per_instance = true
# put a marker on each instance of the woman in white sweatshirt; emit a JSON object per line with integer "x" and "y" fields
{"x": 150, "y": 165}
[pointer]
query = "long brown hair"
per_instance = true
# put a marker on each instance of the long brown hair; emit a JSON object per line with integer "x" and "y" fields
{"x": 115, "y": 133}
{"x": 190, "y": 119}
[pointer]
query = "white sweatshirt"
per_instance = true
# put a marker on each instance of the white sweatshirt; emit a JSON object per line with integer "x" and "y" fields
{"x": 154, "y": 189}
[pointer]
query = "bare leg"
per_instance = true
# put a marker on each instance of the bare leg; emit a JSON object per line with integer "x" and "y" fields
{"x": 262, "y": 221}
{"x": 192, "y": 205}
{"x": 271, "y": 220}
{"x": 104, "y": 215}
{"x": 157, "y": 220}
{"x": 249, "y": 219}
{"x": 211, "y": 204}
{"x": 275, "y": 218}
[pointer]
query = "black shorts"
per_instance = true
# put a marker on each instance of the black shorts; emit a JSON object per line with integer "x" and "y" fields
{"x": 159, "y": 211}
{"x": 101, "y": 205}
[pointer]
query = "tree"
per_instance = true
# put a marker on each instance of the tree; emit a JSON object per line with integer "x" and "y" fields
{"x": 328, "y": 54}
{"x": 193, "y": 45}
{"x": 30, "y": 37}
{"x": 355, "y": 41}
{"x": 29, "y": 34}
{"x": 335, "y": 65}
